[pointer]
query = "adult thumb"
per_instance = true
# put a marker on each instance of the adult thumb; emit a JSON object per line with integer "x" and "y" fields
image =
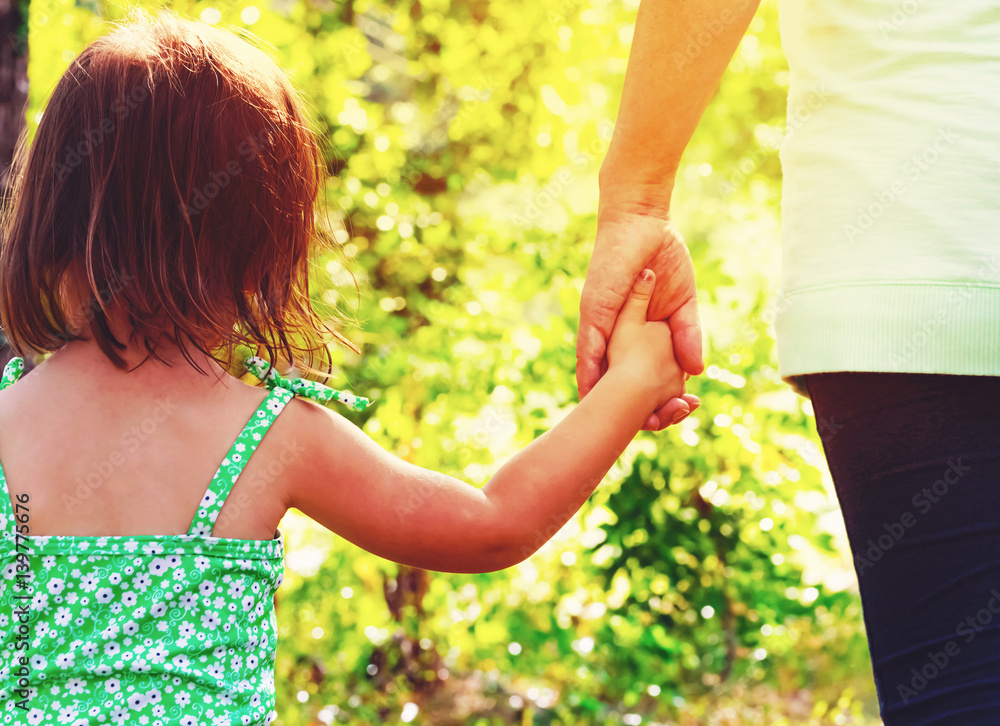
{"x": 638, "y": 299}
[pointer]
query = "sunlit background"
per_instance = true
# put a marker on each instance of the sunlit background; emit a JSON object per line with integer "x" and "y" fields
{"x": 707, "y": 581}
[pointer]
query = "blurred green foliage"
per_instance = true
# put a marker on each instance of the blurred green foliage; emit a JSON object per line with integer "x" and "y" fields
{"x": 701, "y": 583}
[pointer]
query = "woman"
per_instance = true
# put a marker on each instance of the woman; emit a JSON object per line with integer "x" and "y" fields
{"x": 891, "y": 289}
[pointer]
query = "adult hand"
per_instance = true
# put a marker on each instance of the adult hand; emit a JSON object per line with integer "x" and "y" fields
{"x": 629, "y": 240}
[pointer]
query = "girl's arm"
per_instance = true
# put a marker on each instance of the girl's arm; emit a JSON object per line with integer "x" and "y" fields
{"x": 423, "y": 518}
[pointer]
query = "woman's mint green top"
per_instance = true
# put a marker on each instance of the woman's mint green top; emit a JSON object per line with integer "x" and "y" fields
{"x": 891, "y": 192}
{"x": 154, "y": 630}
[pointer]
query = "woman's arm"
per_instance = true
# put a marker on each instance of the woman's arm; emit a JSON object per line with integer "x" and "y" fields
{"x": 680, "y": 49}
{"x": 423, "y": 518}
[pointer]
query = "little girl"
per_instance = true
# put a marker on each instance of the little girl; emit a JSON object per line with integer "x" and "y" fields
{"x": 161, "y": 222}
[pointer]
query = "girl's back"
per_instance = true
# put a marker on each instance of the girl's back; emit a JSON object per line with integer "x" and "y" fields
{"x": 119, "y": 580}
{"x": 101, "y": 451}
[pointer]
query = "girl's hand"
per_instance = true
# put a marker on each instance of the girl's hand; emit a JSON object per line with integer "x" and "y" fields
{"x": 644, "y": 349}
{"x": 634, "y": 231}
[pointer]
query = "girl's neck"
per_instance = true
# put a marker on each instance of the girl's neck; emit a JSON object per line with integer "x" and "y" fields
{"x": 84, "y": 360}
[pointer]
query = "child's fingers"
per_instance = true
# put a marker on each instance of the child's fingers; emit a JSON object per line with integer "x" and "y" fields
{"x": 638, "y": 299}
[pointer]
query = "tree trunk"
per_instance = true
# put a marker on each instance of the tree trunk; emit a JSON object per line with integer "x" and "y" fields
{"x": 13, "y": 106}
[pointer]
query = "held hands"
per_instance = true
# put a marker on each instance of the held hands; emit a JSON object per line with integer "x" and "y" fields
{"x": 631, "y": 237}
{"x": 645, "y": 349}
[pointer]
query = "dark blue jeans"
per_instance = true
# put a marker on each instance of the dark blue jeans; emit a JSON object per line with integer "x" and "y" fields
{"x": 916, "y": 463}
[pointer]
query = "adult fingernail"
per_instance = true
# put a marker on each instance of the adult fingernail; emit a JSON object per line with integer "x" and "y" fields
{"x": 681, "y": 415}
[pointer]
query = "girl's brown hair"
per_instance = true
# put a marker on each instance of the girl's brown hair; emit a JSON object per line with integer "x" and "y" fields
{"x": 173, "y": 175}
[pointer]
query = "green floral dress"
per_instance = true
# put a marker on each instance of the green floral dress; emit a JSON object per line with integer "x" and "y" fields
{"x": 151, "y": 630}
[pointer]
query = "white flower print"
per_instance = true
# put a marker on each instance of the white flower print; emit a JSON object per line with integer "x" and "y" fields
{"x": 104, "y": 595}
{"x": 89, "y": 583}
{"x": 65, "y": 660}
{"x": 141, "y": 582}
{"x": 63, "y": 616}
{"x": 75, "y": 686}
{"x": 112, "y": 685}
{"x": 114, "y": 578}
{"x": 56, "y": 585}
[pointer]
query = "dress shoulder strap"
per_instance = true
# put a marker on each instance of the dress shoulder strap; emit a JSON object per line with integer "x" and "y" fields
{"x": 11, "y": 372}
{"x": 236, "y": 460}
